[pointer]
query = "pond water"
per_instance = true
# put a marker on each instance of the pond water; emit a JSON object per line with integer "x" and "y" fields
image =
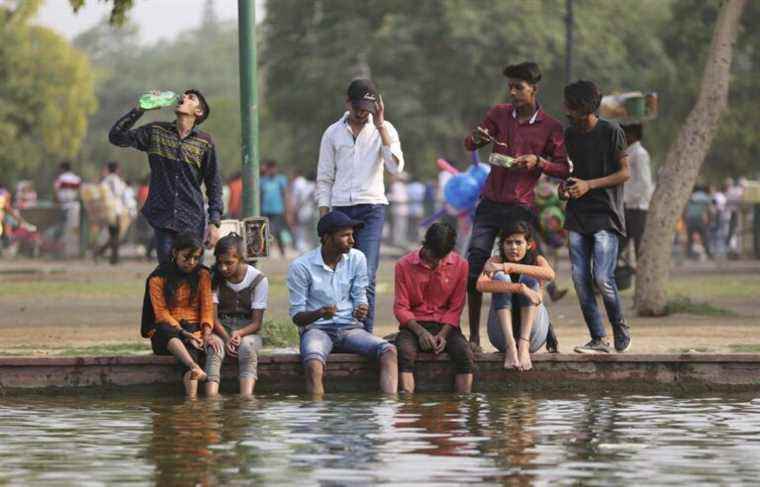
{"x": 361, "y": 439}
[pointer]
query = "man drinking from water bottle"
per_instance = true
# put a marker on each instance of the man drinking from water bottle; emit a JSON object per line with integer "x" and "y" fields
{"x": 181, "y": 158}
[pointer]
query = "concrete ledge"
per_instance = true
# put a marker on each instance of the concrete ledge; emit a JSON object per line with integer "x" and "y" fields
{"x": 347, "y": 372}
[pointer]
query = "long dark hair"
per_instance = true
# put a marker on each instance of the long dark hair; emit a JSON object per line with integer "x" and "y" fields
{"x": 174, "y": 276}
{"x": 229, "y": 242}
{"x": 522, "y": 227}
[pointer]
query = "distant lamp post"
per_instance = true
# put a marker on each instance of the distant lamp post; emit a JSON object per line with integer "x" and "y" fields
{"x": 249, "y": 108}
{"x": 568, "y": 41}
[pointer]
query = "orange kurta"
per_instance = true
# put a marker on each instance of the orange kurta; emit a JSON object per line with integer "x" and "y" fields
{"x": 198, "y": 310}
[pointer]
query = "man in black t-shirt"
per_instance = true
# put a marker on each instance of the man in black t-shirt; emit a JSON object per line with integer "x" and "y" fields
{"x": 594, "y": 215}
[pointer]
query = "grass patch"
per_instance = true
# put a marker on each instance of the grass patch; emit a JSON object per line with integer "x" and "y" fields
{"x": 279, "y": 334}
{"x": 65, "y": 289}
{"x": 685, "y": 305}
{"x": 125, "y": 348}
{"x": 745, "y": 348}
{"x": 715, "y": 286}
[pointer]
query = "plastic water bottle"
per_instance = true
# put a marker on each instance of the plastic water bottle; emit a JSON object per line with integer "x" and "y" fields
{"x": 150, "y": 101}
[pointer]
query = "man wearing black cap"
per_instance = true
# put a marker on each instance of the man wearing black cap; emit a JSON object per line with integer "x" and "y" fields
{"x": 181, "y": 158}
{"x": 521, "y": 130}
{"x": 327, "y": 291}
{"x": 353, "y": 153}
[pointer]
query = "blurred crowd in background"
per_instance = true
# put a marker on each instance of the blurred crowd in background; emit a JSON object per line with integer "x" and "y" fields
{"x": 101, "y": 219}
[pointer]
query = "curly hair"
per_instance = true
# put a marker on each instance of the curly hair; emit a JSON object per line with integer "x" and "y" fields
{"x": 583, "y": 96}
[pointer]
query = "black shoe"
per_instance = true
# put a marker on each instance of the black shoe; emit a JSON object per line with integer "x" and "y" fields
{"x": 622, "y": 334}
{"x": 557, "y": 294}
{"x": 597, "y": 345}
{"x": 552, "y": 344}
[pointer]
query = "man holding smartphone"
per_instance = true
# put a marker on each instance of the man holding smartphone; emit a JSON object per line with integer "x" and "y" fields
{"x": 353, "y": 155}
{"x": 594, "y": 215}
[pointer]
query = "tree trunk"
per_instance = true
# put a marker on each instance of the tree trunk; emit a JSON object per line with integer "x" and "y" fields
{"x": 684, "y": 160}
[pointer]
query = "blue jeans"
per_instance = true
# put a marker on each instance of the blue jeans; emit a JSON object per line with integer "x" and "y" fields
{"x": 368, "y": 241}
{"x": 540, "y": 329}
{"x": 318, "y": 342}
{"x": 593, "y": 259}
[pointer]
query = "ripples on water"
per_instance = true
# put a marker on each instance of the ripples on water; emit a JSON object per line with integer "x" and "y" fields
{"x": 360, "y": 439}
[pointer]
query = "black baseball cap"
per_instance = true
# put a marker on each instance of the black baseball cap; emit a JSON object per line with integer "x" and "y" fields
{"x": 363, "y": 94}
{"x": 336, "y": 220}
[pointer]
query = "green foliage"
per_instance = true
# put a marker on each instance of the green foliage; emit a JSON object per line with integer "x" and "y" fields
{"x": 119, "y": 9}
{"x": 46, "y": 95}
{"x": 279, "y": 334}
{"x": 687, "y": 40}
{"x": 437, "y": 62}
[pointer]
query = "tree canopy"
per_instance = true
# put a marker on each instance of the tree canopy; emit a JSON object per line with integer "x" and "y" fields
{"x": 437, "y": 63}
{"x": 45, "y": 97}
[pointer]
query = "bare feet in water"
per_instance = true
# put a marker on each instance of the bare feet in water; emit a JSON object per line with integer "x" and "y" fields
{"x": 523, "y": 354}
{"x": 198, "y": 374}
{"x": 510, "y": 358}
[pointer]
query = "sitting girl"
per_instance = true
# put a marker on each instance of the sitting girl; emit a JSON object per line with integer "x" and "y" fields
{"x": 518, "y": 323}
{"x": 178, "y": 313}
{"x": 240, "y": 298}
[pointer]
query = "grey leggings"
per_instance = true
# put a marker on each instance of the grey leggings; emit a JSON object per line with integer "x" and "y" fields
{"x": 248, "y": 358}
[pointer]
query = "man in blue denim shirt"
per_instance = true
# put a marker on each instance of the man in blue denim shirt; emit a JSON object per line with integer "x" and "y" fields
{"x": 594, "y": 215}
{"x": 327, "y": 290}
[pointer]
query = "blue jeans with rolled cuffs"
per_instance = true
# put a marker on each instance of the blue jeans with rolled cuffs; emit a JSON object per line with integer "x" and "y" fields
{"x": 538, "y": 331}
{"x": 318, "y": 341}
{"x": 592, "y": 260}
{"x": 368, "y": 241}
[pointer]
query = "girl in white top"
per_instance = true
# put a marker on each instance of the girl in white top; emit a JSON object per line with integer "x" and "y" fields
{"x": 240, "y": 298}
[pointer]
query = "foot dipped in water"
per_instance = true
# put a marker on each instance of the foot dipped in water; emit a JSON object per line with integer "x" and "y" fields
{"x": 523, "y": 354}
{"x": 190, "y": 380}
{"x": 510, "y": 358}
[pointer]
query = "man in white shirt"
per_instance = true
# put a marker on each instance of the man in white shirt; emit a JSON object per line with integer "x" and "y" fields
{"x": 637, "y": 191}
{"x": 66, "y": 186}
{"x": 118, "y": 218}
{"x": 302, "y": 205}
{"x": 353, "y": 153}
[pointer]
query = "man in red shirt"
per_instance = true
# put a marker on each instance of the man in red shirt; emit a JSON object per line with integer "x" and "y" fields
{"x": 428, "y": 303}
{"x": 522, "y": 130}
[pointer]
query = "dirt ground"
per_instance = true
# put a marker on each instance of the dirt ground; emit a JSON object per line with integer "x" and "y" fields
{"x": 48, "y": 307}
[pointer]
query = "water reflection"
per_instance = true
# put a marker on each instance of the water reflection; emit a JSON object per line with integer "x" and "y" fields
{"x": 364, "y": 439}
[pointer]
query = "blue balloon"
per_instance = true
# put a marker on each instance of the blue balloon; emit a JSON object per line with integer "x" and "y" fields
{"x": 463, "y": 190}
{"x": 480, "y": 172}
